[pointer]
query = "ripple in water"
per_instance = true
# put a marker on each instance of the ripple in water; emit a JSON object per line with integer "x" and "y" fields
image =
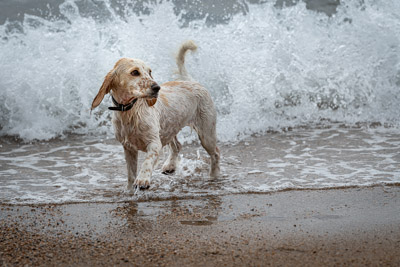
{"x": 82, "y": 170}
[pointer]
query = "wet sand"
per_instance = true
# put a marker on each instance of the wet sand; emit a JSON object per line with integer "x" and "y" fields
{"x": 355, "y": 226}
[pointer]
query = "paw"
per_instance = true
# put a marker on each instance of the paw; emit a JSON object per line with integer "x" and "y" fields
{"x": 142, "y": 183}
{"x": 169, "y": 168}
{"x": 214, "y": 173}
{"x": 168, "y": 172}
{"x": 129, "y": 188}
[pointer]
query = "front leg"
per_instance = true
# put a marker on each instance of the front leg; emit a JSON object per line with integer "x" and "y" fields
{"x": 143, "y": 179}
{"x": 131, "y": 158}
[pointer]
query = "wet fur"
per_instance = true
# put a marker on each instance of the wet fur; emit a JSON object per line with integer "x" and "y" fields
{"x": 156, "y": 119}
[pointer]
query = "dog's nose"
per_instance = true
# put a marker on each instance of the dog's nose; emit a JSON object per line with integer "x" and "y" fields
{"x": 155, "y": 87}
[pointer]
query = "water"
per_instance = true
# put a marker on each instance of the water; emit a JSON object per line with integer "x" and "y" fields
{"x": 269, "y": 66}
{"x": 85, "y": 170}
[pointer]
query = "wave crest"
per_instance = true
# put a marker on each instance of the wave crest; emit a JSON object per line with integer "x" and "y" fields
{"x": 267, "y": 69}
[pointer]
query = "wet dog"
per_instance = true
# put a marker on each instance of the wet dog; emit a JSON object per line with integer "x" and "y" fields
{"x": 148, "y": 116}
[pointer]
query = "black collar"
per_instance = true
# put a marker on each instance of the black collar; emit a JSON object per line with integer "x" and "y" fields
{"x": 121, "y": 107}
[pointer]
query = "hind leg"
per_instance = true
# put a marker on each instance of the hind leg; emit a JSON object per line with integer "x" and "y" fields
{"x": 208, "y": 138}
{"x": 212, "y": 149}
{"x": 172, "y": 161}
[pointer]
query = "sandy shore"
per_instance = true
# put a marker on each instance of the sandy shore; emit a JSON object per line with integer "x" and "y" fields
{"x": 318, "y": 227}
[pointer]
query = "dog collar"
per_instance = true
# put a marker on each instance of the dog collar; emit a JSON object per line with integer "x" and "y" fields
{"x": 121, "y": 107}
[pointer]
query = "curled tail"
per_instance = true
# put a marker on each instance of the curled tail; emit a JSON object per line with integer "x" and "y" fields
{"x": 180, "y": 59}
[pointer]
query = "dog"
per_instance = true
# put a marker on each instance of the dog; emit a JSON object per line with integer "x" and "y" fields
{"x": 148, "y": 117}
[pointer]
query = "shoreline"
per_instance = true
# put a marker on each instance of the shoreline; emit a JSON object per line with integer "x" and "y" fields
{"x": 356, "y": 226}
{"x": 85, "y": 170}
{"x": 196, "y": 197}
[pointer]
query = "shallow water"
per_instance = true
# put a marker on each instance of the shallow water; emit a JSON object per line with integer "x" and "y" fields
{"x": 82, "y": 170}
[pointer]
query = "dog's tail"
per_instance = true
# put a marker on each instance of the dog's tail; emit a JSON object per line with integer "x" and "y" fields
{"x": 180, "y": 59}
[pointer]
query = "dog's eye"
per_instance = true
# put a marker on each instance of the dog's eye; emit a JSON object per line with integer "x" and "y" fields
{"x": 150, "y": 74}
{"x": 135, "y": 73}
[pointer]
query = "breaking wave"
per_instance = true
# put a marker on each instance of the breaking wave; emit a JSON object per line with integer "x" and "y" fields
{"x": 269, "y": 68}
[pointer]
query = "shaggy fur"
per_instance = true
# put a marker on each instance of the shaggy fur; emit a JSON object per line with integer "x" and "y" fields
{"x": 158, "y": 115}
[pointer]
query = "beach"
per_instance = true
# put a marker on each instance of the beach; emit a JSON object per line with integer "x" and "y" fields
{"x": 306, "y": 95}
{"x": 354, "y": 226}
{"x": 310, "y": 196}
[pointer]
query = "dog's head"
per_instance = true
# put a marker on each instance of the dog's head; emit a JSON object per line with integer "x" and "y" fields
{"x": 129, "y": 79}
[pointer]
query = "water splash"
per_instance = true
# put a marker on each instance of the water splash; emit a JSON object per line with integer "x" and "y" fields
{"x": 268, "y": 69}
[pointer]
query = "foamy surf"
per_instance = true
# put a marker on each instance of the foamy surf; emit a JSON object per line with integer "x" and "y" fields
{"x": 270, "y": 68}
{"x": 82, "y": 170}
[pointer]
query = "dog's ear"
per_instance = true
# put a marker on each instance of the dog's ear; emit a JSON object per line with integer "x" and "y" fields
{"x": 151, "y": 101}
{"x": 104, "y": 89}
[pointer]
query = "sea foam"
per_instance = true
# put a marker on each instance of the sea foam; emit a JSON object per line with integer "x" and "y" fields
{"x": 268, "y": 69}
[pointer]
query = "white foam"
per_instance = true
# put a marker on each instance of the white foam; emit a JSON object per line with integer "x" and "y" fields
{"x": 268, "y": 69}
